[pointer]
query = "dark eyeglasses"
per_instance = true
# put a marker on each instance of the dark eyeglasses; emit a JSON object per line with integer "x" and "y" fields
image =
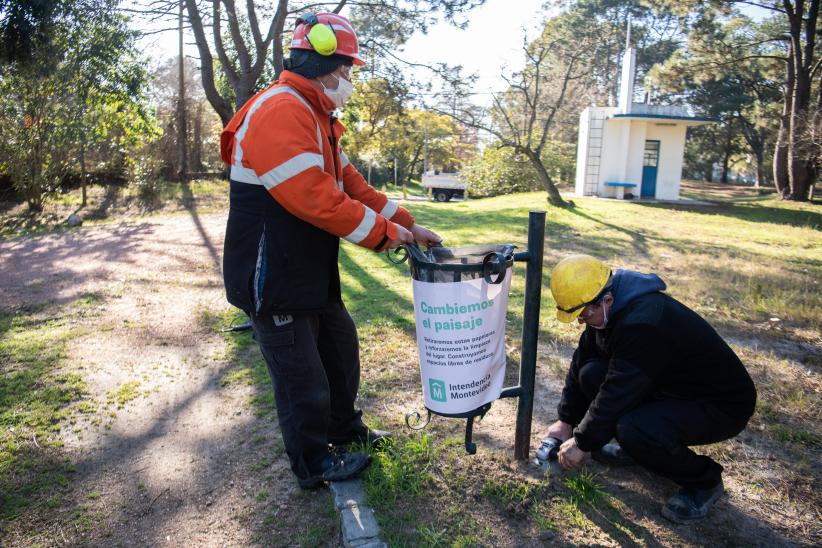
{"x": 596, "y": 300}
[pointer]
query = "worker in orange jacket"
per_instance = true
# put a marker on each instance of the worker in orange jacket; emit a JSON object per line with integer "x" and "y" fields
{"x": 294, "y": 194}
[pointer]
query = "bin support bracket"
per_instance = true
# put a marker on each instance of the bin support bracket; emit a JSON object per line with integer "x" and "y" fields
{"x": 414, "y": 420}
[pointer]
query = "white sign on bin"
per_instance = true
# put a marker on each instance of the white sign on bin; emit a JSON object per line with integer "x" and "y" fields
{"x": 461, "y": 341}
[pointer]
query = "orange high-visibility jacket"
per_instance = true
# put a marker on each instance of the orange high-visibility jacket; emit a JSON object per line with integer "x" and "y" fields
{"x": 293, "y": 195}
{"x": 282, "y": 139}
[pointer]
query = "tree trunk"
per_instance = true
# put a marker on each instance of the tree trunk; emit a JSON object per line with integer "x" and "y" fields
{"x": 800, "y": 166}
{"x": 760, "y": 168}
{"x": 83, "y": 170}
{"x": 726, "y": 158}
{"x": 780, "y": 153}
{"x": 780, "y": 160}
{"x": 554, "y": 197}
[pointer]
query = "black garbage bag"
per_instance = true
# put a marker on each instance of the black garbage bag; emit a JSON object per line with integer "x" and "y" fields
{"x": 445, "y": 264}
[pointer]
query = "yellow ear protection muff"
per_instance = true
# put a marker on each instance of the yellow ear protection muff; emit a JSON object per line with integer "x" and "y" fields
{"x": 321, "y": 37}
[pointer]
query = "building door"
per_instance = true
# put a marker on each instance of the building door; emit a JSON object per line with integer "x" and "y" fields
{"x": 650, "y": 162}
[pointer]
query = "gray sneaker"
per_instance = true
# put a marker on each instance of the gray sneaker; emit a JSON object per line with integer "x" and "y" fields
{"x": 692, "y": 504}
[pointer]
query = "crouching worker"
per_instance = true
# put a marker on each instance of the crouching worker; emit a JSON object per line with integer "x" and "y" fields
{"x": 294, "y": 194}
{"x": 653, "y": 374}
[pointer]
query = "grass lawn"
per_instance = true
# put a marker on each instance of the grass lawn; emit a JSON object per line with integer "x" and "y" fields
{"x": 750, "y": 263}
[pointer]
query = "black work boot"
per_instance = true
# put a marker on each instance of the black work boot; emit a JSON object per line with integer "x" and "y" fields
{"x": 358, "y": 432}
{"x": 364, "y": 435}
{"x": 692, "y": 504}
{"x": 613, "y": 454}
{"x": 337, "y": 467}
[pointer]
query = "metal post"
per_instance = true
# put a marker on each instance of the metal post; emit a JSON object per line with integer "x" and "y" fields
{"x": 530, "y": 333}
{"x": 181, "y": 106}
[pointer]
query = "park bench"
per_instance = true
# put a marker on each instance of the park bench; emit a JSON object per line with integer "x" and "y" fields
{"x": 620, "y": 188}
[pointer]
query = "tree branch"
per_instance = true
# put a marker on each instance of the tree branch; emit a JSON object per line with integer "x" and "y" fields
{"x": 237, "y": 36}
{"x": 254, "y": 24}
{"x": 763, "y": 6}
{"x": 217, "y": 101}
{"x": 217, "y": 32}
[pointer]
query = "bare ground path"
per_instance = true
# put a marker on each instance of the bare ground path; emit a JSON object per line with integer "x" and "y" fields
{"x": 173, "y": 453}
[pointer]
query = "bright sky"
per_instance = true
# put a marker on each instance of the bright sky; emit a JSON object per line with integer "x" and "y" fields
{"x": 491, "y": 43}
{"x": 493, "y": 39}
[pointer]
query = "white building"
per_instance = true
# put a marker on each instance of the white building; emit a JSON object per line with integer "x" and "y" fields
{"x": 633, "y": 148}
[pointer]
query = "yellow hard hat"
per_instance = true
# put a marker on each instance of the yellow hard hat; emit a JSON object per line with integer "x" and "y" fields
{"x": 576, "y": 281}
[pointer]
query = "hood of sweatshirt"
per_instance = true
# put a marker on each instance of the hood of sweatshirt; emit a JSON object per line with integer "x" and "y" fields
{"x": 627, "y": 285}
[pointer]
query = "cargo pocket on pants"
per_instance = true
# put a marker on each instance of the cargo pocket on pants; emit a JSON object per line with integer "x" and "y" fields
{"x": 285, "y": 358}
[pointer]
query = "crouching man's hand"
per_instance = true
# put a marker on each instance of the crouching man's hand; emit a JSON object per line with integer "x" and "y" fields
{"x": 560, "y": 430}
{"x": 571, "y": 456}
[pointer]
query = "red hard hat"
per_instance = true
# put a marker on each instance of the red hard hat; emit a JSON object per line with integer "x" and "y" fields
{"x": 346, "y": 38}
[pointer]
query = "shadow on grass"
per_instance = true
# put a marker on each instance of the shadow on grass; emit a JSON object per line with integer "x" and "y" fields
{"x": 622, "y": 517}
{"x": 751, "y": 211}
{"x": 376, "y": 303}
{"x": 190, "y": 203}
{"x": 638, "y": 240}
{"x": 112, "y": 193}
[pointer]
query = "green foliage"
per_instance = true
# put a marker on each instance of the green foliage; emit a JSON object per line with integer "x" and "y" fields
{"x": 584, "y": 488}
{"x": 78, "y": 109}
{"x": 497, "y": 170}
{"x": 400, "y": 469}
{"x": 25, "y": 26}
{"x": 744, "y": 95}
{"x": 507, "y": 493}
{"x": 144, "y": 172}
{"x": 385, "y": 130}
{"x": 123, "y": 394}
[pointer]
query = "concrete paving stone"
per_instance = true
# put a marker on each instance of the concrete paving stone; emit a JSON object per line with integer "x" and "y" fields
{"x": 370, "y": 543}
{"x": 359, "y": 524}
{"x": 348, "y": 493}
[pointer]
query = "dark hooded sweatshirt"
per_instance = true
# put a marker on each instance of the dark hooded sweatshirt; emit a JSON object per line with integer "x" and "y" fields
{"x": 656, "y": 349}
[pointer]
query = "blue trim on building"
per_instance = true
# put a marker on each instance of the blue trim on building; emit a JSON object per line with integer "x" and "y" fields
{"x": 666, "y": 117}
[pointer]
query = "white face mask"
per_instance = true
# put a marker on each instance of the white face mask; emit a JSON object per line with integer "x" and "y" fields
{"x": 342, "y": 94}
{"x": 604, "y": 319}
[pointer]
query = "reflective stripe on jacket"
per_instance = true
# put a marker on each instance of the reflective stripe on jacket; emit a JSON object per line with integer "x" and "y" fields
{"x": 285, "y": 139}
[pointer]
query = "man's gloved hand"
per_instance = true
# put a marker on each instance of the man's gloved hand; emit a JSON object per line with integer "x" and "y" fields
{"x": 404, "y": 236}
{"x": 425, "y": 237}
{"x": 571, "y": 456}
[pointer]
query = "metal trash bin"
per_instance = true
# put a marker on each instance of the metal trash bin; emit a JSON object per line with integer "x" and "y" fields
{"x": 460, "y": 304}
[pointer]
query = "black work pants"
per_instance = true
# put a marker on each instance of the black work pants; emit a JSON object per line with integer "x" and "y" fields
{"x": 314, "y": 364}
{"x": 658, "y": 432}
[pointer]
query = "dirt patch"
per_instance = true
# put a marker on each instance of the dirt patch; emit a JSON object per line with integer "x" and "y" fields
{"x": 168, "y": 451}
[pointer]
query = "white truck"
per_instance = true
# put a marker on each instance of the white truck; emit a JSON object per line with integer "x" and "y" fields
{"x": 443, "y": 186}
